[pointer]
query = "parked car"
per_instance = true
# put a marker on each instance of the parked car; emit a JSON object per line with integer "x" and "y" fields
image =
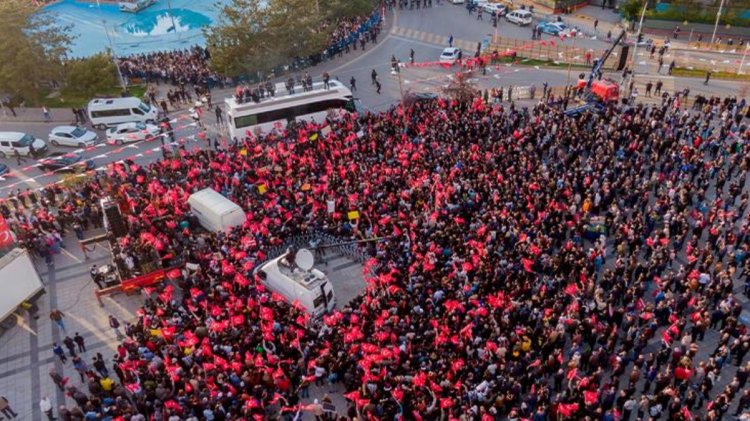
{"x": 557, "y": 29}
{"x": 72, "y": 136}
{"x": 497, "y": 8}
{"x": 520, "y": 17}
{"x": 450, "y": 55}
{"x": 10, "y": 142}
{"x": 131, "y": 132}
{"x": 4, "y": 169}
{"x": 70, "y": 162}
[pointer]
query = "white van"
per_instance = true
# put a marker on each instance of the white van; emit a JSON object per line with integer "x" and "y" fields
{"x": 311, "y": 288}
{"x": 12, "y": 141}
{"x": 214, "y": 211}
{"x": 520, "y": 17}
{"x": 107, "y": 112}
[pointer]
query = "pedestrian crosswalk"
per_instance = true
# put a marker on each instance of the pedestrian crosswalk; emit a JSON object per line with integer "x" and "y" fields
{"x": 432, "y": 38}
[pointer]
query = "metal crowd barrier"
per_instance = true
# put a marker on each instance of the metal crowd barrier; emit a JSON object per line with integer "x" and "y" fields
{"x": 355, "y": 252}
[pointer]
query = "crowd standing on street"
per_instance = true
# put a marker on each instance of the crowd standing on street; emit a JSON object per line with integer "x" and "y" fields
{"x": 537, "y": 266}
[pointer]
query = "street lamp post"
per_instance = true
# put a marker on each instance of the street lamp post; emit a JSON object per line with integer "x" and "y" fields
{"x": 626, "y": 81}
{"x": 716, "y": 25}
{"x": 112, "y": 51}
{"x": 114, "y": 58}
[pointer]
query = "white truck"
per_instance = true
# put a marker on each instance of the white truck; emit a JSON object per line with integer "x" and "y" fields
{"x": 20, "y": 282}
{"x": 214, "y": 211}
{"x": 305, "y": 284}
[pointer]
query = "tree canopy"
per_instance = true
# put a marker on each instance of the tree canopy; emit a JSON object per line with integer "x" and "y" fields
{"x": 90, "y": 76}
{"x": 258, "y": 35}
{"x": 32, "y": 48}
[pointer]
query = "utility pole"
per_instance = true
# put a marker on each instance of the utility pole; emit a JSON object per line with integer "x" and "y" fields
{"x": 570, "y": 63}
{"x": 112, "y": 52}
{"x": 716, "y": 25}
{"x": 114, "y": 58}
{"x": 635, "y": 49}
{"x": 171, "y": 16}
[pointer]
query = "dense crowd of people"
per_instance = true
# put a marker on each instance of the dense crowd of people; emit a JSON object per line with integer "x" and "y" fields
{"x": 192, "y": 66}
{"x": 178, "y": 67}
{"x": 536, "y": 267}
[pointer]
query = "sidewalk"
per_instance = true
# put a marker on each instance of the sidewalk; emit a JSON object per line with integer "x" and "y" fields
{"x": 35, "y": 115}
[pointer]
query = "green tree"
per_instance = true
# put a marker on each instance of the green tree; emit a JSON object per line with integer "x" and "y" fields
{"x": 346, "y": 8}
{"x": 240, "y": 42}
{"x": 87, "y": 77}
{"x": 32, "y": 48}
{"x": 258, "y": 35}
{"x": 631, "y": 9}
{"x": 296, "y": 28}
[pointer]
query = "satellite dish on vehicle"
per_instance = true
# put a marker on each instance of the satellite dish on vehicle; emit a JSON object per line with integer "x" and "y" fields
{"x": 304, "y": 259}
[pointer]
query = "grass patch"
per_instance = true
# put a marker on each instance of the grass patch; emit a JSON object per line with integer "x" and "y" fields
{"x": 698, "y": 73}
{"x": 55, "y": 99}
{"x": 543, "y": 63}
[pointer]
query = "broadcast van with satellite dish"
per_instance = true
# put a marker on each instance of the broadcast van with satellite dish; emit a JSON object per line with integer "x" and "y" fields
{"x": 292, "y": 275}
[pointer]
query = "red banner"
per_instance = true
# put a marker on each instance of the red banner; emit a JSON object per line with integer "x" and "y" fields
{"x": 6, "y": 235}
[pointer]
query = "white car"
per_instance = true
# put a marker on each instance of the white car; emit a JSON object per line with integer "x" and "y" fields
{"x": 520, "y": 17}
{"x": 450, "y": 55}
{"x": 72, "y": 136}
{"x": 497, "y": 8}
{"x": 457, "y": 1}
{"x": 131, "y": 132}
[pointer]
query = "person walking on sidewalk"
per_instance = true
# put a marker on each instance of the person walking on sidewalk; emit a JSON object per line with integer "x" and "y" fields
{"x": 57, "y": 350}
{"x": 46, "y": 406}
{"x": 57, "y": 316}
{"x": 19, "y": 158}
{"x": 80, "y": 342}
{"x": 71, "y": 345}
{"x": 45, "y": 112}
{"x": 6, "y": 409}
{"x": 219, "y": 115}
{"x": 57, "y": 379}
{"x": 115, "y": 325}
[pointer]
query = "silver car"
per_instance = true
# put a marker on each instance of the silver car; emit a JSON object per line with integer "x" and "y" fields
{"x": 72, "y": 136}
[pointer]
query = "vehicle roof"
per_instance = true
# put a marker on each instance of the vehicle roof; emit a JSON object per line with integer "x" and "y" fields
{"x": 65, "y": 128}
{"x": 113, "y": 102}
{"x": 298, "y": 276}
{"x": 211, "y": 198}
{"x": 450, "y": 50}
{"x": 123, "y": 125}
{"x": 521, "y": 11}
{"x": 282, "y": 98}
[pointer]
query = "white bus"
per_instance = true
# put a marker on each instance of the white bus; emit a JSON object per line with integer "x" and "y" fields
{"x": 275, "y": 112}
